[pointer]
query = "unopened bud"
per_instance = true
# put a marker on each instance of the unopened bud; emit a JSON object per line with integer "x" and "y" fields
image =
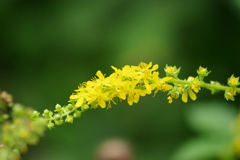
{"x": 85, "y": 106}
{"x": 58, "y": 107}
{"x": 172, "y": 71}
{"x": 69, "y": 119}
{"x": 70, "y": 107}
{"x": 50, "y": 125}
{"x": 233, "y": 81}
{"x": 35, "y": 115}
{"x": 77, "y": 114}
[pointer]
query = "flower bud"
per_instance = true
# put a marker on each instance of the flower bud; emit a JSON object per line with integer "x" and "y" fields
{"x": 69, "y": 119}
{"x": 229, "y": 94}
{"x": 24, "y": 134}
{"x": 85, "y": 106}
{"x": 94, "y": 105}
{"x": 233, "y": 81}
{"x": 50, "y": 125}
{"x": 57, "y": 117}
{"x": 172, "y": 71}
{"x": 77, "y": 114}
{"x": 174, "y": 93}
{"x": 58, "y": 122}
{"x": 47, "y": 113}
{"x": 18, "y": 110}
{"x": 202, "y": 72}
{"x": 35, "y": 115}
{"x": 70, "y": 107}
{"x": 58, "y": 107}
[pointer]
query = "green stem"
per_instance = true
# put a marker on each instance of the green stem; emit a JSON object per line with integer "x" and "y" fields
{"x": 205, "y": 85}
{"x": 62, "y": 115}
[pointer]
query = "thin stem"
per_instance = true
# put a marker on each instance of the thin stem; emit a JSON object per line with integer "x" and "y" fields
{"x": 62, "y": 115}
{"x": 205, "y": 85}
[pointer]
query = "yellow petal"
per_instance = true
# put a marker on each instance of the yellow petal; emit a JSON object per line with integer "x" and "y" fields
{"x": 166, "y": 79}
{"x": 122, "y": 95}
{"x": 155, "y": 67}
{"x": 155, "y": 76}
{"x": 190, "y": 79}
{"x": 115, "y": 69}
{"x": 136, "y": 98}
{"x": 168, "y": 87}
{"x": 100, "y": 75}
{"x": 101, "y": 102}
{"x": 185, "y": 97}
{"x": 192, "y": 95}
{"x": 91, "y": 99}
{"x": 74, "y": 96}
{"x": 149, "y": 65}
{"x": 130, "y": 100}
{"x": 195, "y": 90}
{"x": 169, "y": 99}
{"x": 79, "y": 102}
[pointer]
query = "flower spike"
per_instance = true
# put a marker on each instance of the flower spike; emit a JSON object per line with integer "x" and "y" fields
{"x": 130, "y": 83}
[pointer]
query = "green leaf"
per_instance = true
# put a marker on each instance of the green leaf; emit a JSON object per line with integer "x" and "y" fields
{"x": 211, "y": 118}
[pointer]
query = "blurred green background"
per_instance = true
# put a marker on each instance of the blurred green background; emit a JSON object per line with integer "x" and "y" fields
{"x": 48, "y": 47}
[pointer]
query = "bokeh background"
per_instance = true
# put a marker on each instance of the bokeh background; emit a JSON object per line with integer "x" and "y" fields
{"x": 49, "y": 47}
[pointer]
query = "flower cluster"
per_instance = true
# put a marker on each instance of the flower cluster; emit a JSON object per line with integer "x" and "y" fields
{"x": 17, "y": 129}
{"x": 130, "y": 83}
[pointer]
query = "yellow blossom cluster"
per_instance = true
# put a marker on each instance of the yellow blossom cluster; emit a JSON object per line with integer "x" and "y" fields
{"x": 128, "y": 83}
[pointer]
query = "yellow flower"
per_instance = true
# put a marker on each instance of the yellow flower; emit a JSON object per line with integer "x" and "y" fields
{"x": 233, "y": 81}
{"x": 229, "y": 94}
{"x": 195, "y": 84}
{"x": 127, "y": 72}
{"x": 129, "y": 83}
{"x": 146, "y": 66}
{"x": 174, "y": 94}
{"x": 161, "y": 85}
{"x": 79, "y": 96}
{"x": 133, "y": 93}
{"x": 172, "y": 71}
{"x": 191, "y": 94}
{"x": 97, "y": 94}
{"x": 118, "y": 84}
{"x": 170, "y": 99}
{"x": 203, "y": 72}
{"x": 102, "y": 80}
